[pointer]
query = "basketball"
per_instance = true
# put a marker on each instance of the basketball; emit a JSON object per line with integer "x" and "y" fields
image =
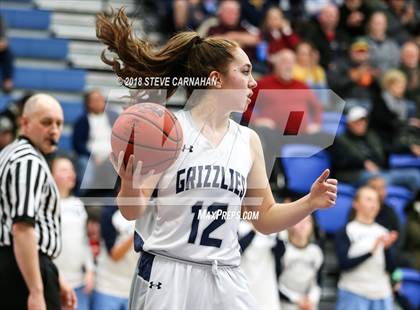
{"x": 150, "y": 132}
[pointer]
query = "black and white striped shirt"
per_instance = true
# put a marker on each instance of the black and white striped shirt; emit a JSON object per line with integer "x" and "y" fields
{"x": 28, "y": 193}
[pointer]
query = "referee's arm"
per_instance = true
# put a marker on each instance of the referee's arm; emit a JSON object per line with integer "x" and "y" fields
{"x": 26, "y": 194}
{"x": 26, "y": 252}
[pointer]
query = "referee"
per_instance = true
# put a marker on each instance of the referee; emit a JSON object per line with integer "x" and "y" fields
{"x": 29, "y": 213}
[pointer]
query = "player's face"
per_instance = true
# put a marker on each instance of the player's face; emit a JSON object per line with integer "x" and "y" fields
{"x": 44, "y": 127}
{"x": 239, "y": 79}
{"x": 64, "y": 174}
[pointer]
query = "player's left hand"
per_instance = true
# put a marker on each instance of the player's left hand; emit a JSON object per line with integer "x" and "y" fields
{"x": 68, "y": 296}
{"x": 323, "y": 191}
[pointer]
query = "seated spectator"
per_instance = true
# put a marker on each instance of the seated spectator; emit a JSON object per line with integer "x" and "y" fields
{"x": 330, "y": 43}
{"x": 354, "y": 78}
{"x": 402, "y": 19}
{"x": 307, "y": 69}
{"x": 277, "y": 31}
{"x": 6, "y": 131}
{"x": 384, "y": 51}
{"x": 410, "y": 56}
{"x": 412, "y": 241}
{"x": 258, "y": 264}
{"x": 75, "y": 262}
{"x": 273, "y": 108}
{"x": 254, "y": 11}
{"x": 393, "y": 116}
{"x": 358, "y": 155}
{"x": 189, "y": 14}
{"x": 354, "y": 15}
{"x": 6, "y": 59}
{"x": 365, "y": 256}
{"x": 91, "y": 136}
{"x": 231, "y": 27}
{"x": 116, "y": 262}
{"x": 314, "y": 7}
{"x": 14, "y": 111}
{"x": 298, "y": 266}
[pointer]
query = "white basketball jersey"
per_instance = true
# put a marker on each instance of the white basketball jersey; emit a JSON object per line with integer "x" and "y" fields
{"x": 200, "y": 195}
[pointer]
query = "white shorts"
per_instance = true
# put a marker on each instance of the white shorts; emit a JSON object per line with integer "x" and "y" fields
{"x": 162, "y": 283}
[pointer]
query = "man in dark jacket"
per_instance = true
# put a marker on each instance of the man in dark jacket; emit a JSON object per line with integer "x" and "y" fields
{"x": 358, "y": 155}
{"x": 91, "y": 136}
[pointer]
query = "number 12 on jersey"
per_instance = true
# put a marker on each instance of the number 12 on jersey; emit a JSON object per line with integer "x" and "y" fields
{"x": 213, "y": 209}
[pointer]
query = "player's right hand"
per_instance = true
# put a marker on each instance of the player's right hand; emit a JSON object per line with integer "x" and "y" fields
{"x": 131, "y": 174}
{"x": 36, "y": 301}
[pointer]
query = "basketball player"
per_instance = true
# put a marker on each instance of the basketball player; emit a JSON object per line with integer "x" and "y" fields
{"x": 191, "y": 261}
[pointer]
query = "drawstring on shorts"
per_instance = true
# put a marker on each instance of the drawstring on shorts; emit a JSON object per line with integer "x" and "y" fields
{"x": 214, "y": 267}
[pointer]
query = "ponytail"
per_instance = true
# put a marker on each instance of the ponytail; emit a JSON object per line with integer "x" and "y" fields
{"x": 185, "y": 54}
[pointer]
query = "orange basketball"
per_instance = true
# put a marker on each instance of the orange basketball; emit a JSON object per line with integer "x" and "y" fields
{"x": 150, "y": 132}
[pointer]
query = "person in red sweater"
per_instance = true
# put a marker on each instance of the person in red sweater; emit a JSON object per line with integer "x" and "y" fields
{"x": 272, "y": 108}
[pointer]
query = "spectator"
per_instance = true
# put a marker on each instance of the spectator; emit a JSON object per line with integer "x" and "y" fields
{"x": 189, "y": 14}
{"x": 393, "y": 116}
{"x": 307, "y": 69}
{"x": 330, "y": 43}
{"x": 258, "y": 264}
{"x": 6, "y": 131}
{"x": 298, "y": 265}
{"x": 354, "y": 15}
{"x": 315, "y": 7}
{"x": 384, "y": 51}
{"x": 358, "y": 155}
{"x": 402, "y": 19}
{"x": 354, "y": 78}
{"x": 254, "y": 11}
{"x": 410, "y": 56}
{"x": 277, "y": 31}
{"x": 6, "y": 59}
{"x": 365, "y": 257}
{"x": 273, "y": 108}
{"x": 386, "y": 216}
{"x": 91, "y": 136}
{"x": 116, "y": 262}
{"x": 231, "y": 27}
{"x": 75, "y": 262}
{"x": 14, "y": 112}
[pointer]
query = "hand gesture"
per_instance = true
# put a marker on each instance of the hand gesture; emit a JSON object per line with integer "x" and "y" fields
{"x": 389, "y": 239}
{"x": 129, "y": 174}
{"x": 386, "y": 241}
{"x": 305, "y": 304}
{"x": 323, "y": 191}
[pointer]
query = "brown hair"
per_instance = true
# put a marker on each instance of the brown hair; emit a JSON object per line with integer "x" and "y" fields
{"x": 185, "y": 54}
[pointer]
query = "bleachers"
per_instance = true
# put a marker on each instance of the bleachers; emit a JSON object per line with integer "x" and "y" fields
{"x": 333, "y": 219}
{"x": 49, "y": 79}
{"x": 26, "y": 18}
{"x": 398, "y": 198}
{"x": 303, "y": 160}
{"x": 404, "y": 161}
{"x": 41, "y": 48}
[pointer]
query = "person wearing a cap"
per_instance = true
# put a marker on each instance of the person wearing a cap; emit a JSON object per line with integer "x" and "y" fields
{"x": 6, "y": 132}
{"x": 354, "y": 78}
{"x": 358, "y": 155}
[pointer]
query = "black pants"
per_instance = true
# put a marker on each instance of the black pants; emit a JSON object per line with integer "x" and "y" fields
{"x": 13, "y": 290}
